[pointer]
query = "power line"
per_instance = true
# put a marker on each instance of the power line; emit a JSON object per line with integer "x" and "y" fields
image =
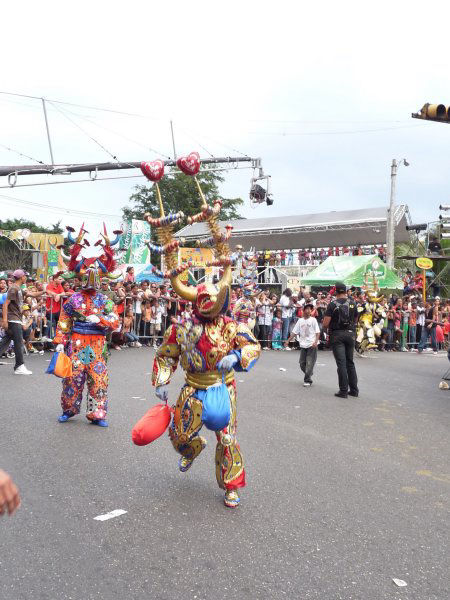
{"x": 310, "y": 133}
{"x": 21, "y": 154}
{"x": 92, "y": 122}
{"x": 85, "y": 133}
{"x": 110, "y": 110}
{"x": 56, "y": 208}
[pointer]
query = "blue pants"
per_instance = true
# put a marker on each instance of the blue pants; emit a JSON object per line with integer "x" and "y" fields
{"x": 285, "y": 328}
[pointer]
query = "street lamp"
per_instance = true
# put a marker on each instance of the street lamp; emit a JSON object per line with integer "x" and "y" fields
{"x": 390, "y": 224}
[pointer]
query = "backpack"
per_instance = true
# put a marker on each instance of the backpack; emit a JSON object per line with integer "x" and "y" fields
{"x": 344, "y": 316}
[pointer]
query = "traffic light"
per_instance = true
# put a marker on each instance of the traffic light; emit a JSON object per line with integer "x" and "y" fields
{"x": 433, "y": 112}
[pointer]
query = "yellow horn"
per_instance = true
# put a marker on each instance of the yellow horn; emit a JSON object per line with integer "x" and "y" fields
{"x": 184, "y": 291}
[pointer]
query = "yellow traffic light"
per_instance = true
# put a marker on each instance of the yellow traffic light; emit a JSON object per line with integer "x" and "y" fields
{"x": 433, "y": 112}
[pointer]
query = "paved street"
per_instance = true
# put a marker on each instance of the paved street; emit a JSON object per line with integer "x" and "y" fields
{"x": 342, "y": 495}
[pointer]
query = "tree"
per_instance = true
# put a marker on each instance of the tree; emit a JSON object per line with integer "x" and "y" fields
{"x": 10, "y": 256}
{"x": 13, "y": 224}
{"x": 179, "y": 192}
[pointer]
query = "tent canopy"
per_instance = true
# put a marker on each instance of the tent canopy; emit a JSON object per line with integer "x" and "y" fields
{"x": 352, "y": 271}
{"x": 365, "y": 226}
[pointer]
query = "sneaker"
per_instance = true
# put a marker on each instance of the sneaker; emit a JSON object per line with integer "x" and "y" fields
{"x": 307, "y": 384}
{"x": 10, "y": 355}
{"x": 138, "y": 345}
{"x": 22, "y": 370}
{"x": 288, "y": 349}
{"x": 434, "y": 353}
{"x": 341, "y": 395}
{"x": 117, "y": 347}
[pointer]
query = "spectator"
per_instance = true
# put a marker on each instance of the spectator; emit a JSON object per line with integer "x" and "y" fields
{"x": 129, "y": 275}
{"x": 55, "y": 292}
{"x": 307, "y": 332}
{"x": 286, "y": 314}
{"x": 276, "y": 330}
{"x": 12, "y": 322}
{"x": 128, "y": 325}
{"x": 290, "y": 257}
{"x": 264, "y": 312}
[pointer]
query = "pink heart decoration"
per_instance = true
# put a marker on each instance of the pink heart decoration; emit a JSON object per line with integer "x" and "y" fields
{"x": 190, "y": 165}
{"x": 153, "y": 170}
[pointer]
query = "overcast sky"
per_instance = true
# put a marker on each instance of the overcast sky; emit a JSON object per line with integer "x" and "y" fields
{"x": 323, "y": 94}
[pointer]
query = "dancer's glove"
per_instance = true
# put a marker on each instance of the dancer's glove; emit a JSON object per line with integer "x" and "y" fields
{"x": 60, "y": 348}
{"x": 162, "y": 392}
{"x": 92, "y": 319}
{"x": 227, "y": 362}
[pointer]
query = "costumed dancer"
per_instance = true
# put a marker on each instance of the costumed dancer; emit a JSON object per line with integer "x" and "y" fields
{"x": 210, "y": 347}
{"x": 371, "y": 313}
{"x": 244, "y": 310}
{"x": 86, "y": 318}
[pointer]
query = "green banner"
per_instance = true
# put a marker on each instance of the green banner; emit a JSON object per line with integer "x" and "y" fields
{"x": 134, "y": 240}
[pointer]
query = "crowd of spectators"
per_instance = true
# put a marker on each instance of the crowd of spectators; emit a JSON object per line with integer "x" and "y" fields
{"x": 147, "y": 308}
{"x": 408, "y": 324}
{"x": 312, "y": 256}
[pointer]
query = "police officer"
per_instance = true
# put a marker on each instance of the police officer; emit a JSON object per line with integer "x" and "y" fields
{"x": 340, "y": 319}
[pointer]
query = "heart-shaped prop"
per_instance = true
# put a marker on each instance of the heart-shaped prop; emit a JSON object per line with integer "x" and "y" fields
{"x": 190, "y": 165}
{"x": 153, "y": 170}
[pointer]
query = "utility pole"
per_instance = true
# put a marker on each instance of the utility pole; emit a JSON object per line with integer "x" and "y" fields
{"x": 390, "y": 224}
{"x": 173, "y": 142}
{"x": 48, "y": 131}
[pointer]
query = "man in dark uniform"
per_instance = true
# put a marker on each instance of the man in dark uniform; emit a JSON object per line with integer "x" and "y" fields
{"x": 340, "y": 319}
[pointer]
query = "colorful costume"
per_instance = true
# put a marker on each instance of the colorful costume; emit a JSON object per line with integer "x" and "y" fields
{"x": 244, "y": 310}
{"x": 209, "y": 346}
{"x": 371, "y": 314}
{"x": 85, "y": 320}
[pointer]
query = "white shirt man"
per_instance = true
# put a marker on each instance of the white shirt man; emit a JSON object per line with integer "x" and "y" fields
{"x": 307, "y": 332}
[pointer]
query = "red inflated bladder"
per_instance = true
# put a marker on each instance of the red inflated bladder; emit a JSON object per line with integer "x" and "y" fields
{"x": 152, "y": 425}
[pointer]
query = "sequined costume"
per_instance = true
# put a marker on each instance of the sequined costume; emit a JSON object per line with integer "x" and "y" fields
{"x": 85, "y": 344}
{"x": 370, "y": 316}
{"x": 209, "y": 345}
{"x": 199, "y": 346}
{"x": 244, "y": 310}
{"x": 85, "y": 320}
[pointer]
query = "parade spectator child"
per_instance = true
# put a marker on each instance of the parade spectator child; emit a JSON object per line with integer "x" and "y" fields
{"x": 128, "y": 321}
{"x": 307, "y": 332}
{"x": 276, "y": 331}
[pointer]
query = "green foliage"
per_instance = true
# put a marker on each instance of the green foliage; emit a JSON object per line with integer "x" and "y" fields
{"x": 179, "y": 193}
{"x": 13, "y": 224}
{"x": 10, "y": 256}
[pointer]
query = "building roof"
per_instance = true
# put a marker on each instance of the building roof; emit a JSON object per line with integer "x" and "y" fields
{"x": 335, "y": 228}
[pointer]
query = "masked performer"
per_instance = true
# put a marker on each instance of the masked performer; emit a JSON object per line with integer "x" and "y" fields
{"x": 210, "y": 347}
{"x": 371, "y": 313}
{"x": 244, "y": 309}
{"x": 85, "y": 320}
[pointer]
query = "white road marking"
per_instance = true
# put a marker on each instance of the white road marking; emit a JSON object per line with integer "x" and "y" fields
{"x": 110, "y": 515}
